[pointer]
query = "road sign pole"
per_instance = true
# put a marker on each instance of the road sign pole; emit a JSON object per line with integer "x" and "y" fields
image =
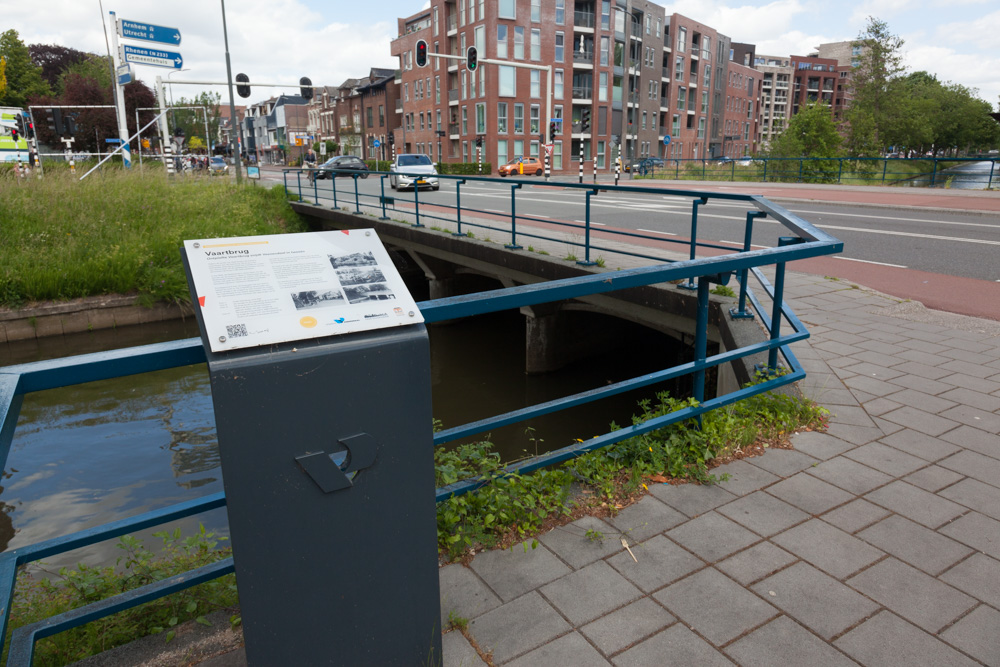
{"x": 168, "y": 161}
{"x": 232, "y": 102}
{"x": 120, "y": 98}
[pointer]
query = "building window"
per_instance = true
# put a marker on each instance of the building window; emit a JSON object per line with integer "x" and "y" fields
{"x": 534, "y": 119}
{"x": 502, "y": 117}
{"x": 536, "y": 11}
{"x": 501, "y": 41}
{"x": 675, "y": 130}
{"x": 508, "y": 81}
{"x": 557, "y": 155}
{"x": 704, "y": 101}
{"x": 682, "y": 36}
{"x": 600, "y": 155}
{"x": 437, "y": 61}
{"x": 518, "y": 43}
{"x": 707, "y": 79}
{"x": 438, "y": 121}
{"x": 557, "y": 86}
{"x": 435, "y": 21}
{"x": 480, "y": 118}
{"x": 502, "y": 151}
{"x": 479, "y": 40}
{"x": 644, "y": 120}
{"x": 465, "y": 151}
{"x": 518, "y": 119}
{"x": 701, "y": 128}
{"x": 518, "y": 148}
{"x": 658, "y": 27}
{"x": 421, "y": 120}
{"x": 406, "y": 92}
{"x": 465, "y": 121}
{"x": 706, "y": 50}
{"x": 464, "y": 82}
{"x": 560, "y": 12}
{"x": 559, "y": 46}
{"x": 536, "y": 85}
{"x": 536, "y": 44}
{"x": 605, "y": 44}
{"x": 472, "y": 11}
{"x": 602, "y": 87}
{"x": 606, "y": 14}
{"x": 505, "y": 9}
{"x": 437, "y": 90}
{"x": 461, "y": 12}
{"x": 647, "y": 24}
{"x": 679, "y": 69}
{"x": 482, "y": 82}
{"x": 381, "y": 115}
{"x": 558, "y": 113}
{"x": 681, "y": 98}
{"x": 533, "y": 148}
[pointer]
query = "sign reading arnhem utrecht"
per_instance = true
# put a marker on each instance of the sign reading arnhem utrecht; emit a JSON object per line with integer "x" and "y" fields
{"x": 261, "y": 290}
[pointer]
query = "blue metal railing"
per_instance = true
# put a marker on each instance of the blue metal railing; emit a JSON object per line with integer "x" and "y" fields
{"x": 805, "y": 241}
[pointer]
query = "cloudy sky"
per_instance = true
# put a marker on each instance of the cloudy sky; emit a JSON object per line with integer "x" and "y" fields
{"x": 331, "y": 40}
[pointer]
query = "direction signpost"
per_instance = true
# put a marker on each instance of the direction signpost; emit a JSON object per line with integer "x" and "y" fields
{"x": 148, "y": 32}
{"x": 142, "y": 55}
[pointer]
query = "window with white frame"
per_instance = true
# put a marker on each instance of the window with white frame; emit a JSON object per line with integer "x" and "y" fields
{"x": 518, "y": 147}
{"x": 437, "y": 61}
{"x": 501, "y": 41}
{"x": 472, "y": 11}
{"x": 502, "y": 151}
{"x": 675, "y": 129}
{"x": 505, "y": 9}
{"x": 536, "y": 85}
{"x": 557, "y": 112}
{"x": 437, "y": 90}
{"x": 644, "y": 120}
{"x": 560, "y": 12}
{"x": 502, "y": 117}
{"x": 465, "y": 121}
{"x": 560, "y": 46}
{"x": 518, "y": 43}
{"x": 508, "y": 81}
{"x": 536, "y": 11}
{"x": 481, "y": 118}
{"x": 557, "y": 155}
{"x": 701, "y": 128}
{"x": 605, "y": 49}
{"x": 682, "y": 36}
{"x": 600, "y": 155}
{"x": 435, "y": 21}
{"x": 464, "y": 83}
{"x": 602, "y": 87}
{"x": 461, "y": 12}
{"x": 534, "y": 119}
{"x": 536, "y": 44}
{"x": 557, "y": 86}
{"x": 519, "y": 119}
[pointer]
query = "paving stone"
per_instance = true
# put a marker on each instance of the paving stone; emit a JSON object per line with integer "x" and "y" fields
{"x": 712, "y": 536}
{"x": 815, "y": 599}
{"x": 513, "y": 572}
{"x": 755, "y": 563}
{"x": 622, "y": 628}
{"x": 920, "y": 444}
{"x": 646, "y": 518}
{"x": 933, "y": 478}
{"x": 571, "y": 649}
{"x": 916, "y": 504}
{"x": 886, "y": 639}
{"x": 921, "y": 401}
{"x": 785, "y": 642}
{"x": 857, "y": 435}
{"x": 922, "y": 357}
{"x": 919, "y": 420}
{"x": 820, "y": 445}
{"x": 763, "y": 513}
{"x": 914, "y": 595}
{"x": 886, "y": 459}
{"x": 921, "y": 547}
{"x": 978, "y": 531}
{"x": 979, "y": 576}
{"x": 809, "y": 494}
{"x": 971, "y": 383}
{"x": 828, "y": 548}
{"x": 850, "y": 475}
{"x": 458, "y": 652}
{"x": 975, "y": 439}
{"x": 973, "y": 398}
{"x": 691, "y": 499}
{"x": 874, "y": 371}
{"x": 591, "y": 592}
{"x": 973, "y": 464}
{"x": 887, "y": 428}
{"x": 879, "y": 406}
{"x": 743, "y": 477}
{"x": 832, "y": 397}
{"x": 855, "y": 515}
{"x": 660, "y": 562}
{"x": 975, "y": 495}
{"x": 571, "y": 543}
{"x": 922, "y": 370}
{"x": 676, "y": 646}
{"x": 970, "y": 416}
{"x": 463, "y": 593}
{"x": 517, "y": 627}
{"x": 853, "y": 416}
{"x": 782, "y": 462}
{"x": 715, "y": 606}
{"x": 922, "y": 384}
{"x": 976, "y": 634}
{"x": 878, "y": 358}
{"x": 964, "y": 367}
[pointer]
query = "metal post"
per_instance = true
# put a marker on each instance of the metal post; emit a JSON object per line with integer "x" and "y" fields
{"x": 315, "y": 188}
{"x": 800, "y": 170}
{"x": 586, "y": 232}
{"x": 479, "y": 153}
{"x": 885, "y": 163}
{"x": 581, "y": 161}
{"x": 694, "y": 234}
{"x": 547, "y": 164}
{"x": 120, "y": 99}
{"x": 357, "y": 203}
{"x": 989, "y": 184}
{"x": 618, "y": 163}
{"x": 701, "y": 340}
{"x": 458, "y": 205}
{"x": 595, "y": 170}
{"x": 416, "y": 203}
{"x": 381, "y": 181}
{"x": 742, "y": 312}
{"x": 513, "y": 218}
{"x": 298, "y": 179}
{"x": 776, "y": 301}
{"x": 840, "y": 168}
{"x": 237, "y": 159}
{"x": 934, "y": 173}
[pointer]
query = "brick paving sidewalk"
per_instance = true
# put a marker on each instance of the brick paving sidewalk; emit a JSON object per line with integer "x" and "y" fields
{"x": 877, "y": 542}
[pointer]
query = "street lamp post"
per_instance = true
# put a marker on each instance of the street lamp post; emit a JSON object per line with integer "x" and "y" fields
{"x": 237, "y": 161}
{"x": 626, "y": 134}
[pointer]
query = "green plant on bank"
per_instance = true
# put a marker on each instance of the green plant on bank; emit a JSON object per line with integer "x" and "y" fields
{"x": 571, "y": 257}
{"x": 36, "y": 598}
{"x": 594, "y": 535}
{"x": 456, "y": 622}
{"x": 723, "y": 290}
{"x": 600, "y": 262}
{"x": 120, "y": 232}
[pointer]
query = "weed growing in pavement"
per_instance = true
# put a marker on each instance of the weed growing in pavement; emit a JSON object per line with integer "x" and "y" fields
{"x": 456, "y": 622}
{"x": 600, "y": 262}
{"x": 571, "y": 257}
{"x": 594, "y": 535}
{"x": 723, "y": 290}
{"x": 543, "y": 252}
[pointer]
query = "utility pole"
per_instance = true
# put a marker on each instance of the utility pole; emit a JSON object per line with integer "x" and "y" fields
{"x": 238, "y": 158}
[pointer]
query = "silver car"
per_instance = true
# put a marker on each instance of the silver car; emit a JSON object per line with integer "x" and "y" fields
{"x": 413, "y": 170}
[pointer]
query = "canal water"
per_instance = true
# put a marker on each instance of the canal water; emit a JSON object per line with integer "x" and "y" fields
{"x": 965, "y": 176}
{"x": 93, "y": 453}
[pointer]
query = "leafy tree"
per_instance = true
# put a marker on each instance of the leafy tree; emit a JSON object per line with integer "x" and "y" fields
{"x": 193, "y": 122}
{"x": 811, "y": 133}
{"x": 54, "y": 60}
{"x": 875, "y": 113}
{"x": 3, "y": 76}
{"x": 24, "y": 78}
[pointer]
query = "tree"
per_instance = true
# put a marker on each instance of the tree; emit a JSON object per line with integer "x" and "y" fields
{"x": 811, "y": 133}
{"x": 3, "y": 76}
{"x": 193, "y": 122}
{"x": 24, "y": 78}
{"x": 876, "y": 108}
{"x": 54, "y": 60}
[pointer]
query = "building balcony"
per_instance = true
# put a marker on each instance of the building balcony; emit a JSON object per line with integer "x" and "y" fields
{"x": 636, "y": 30}
{"x": 583, "y": 20}
{"x": 453, "y": 97}
{"x": 451, "y": 24}
{"x": 583, "y": 93}
{"x": 399, "y": 106}
{"x": 584, "y": 58}
{"x": 453, "y": 130}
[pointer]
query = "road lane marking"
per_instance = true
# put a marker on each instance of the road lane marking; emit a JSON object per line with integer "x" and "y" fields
{"x": 653, "y": 231}
{"x": 883, "y": 217}
{"x": 740, "y": 243}
{"x": 914, "y": 235}
{"x": 866, "y": 261}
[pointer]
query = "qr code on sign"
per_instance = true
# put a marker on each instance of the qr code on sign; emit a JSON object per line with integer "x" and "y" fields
{"x": 236, "y": 330}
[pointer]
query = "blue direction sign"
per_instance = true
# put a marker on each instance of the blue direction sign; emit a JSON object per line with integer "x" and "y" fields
{"x": 141, "y": 55}
{"x": 666, "y": 140}
{"x": 149, "y": 32}
{"x": 376, "y": 143}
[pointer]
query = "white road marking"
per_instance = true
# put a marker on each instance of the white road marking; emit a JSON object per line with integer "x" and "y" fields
{"x": 740, "y": 243}
{"x": 865, "y": 261}
{"x": 653, "y": 231}
{"x": 910, "y": 234}
{"x": 538, "y": 215}
{"x": 493, "y": 210}
{"x": 883, "y": 217}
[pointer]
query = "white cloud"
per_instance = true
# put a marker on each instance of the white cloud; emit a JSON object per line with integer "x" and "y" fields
{"x": 881, "y": 9}
{"x": 744, "y": 22}
{"x": 970, "y": 70}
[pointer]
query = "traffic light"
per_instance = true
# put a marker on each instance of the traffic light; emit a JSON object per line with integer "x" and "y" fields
{"x": 585, "y": 120}
{"x": 242, "y": 91}
{"x": 392, "y": 139}
{"x": 553, "y": 128}
{"x": 421, "y": 53}
{"x": 13, "y": 134}
{"x": 306, "y": 90}
{"x": 31, "y": 129}
{"x": 69, "y": 125}
{"x": 479, "y": 142}
{"x": 472, "y": 59}
{"x": 55, "y": 121}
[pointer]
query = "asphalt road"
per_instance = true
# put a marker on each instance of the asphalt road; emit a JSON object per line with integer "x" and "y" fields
{"x": 943, "y": 242}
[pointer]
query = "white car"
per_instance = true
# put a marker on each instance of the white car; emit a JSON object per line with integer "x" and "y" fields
{"x": 413, "y": 170}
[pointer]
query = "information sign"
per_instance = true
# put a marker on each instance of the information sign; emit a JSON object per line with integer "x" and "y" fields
{"x": 262, "y": 290}
{"x": 124, "y": 73}
{"x": 147, "y": 56}
{"x": 253, "y": 172}
{"x": 376, "y": 143}
{"x": 149, "y": 32}
{"x": 666, "y": 140}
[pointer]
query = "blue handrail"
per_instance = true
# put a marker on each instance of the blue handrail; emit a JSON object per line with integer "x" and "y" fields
{"x": 807, "y": 241}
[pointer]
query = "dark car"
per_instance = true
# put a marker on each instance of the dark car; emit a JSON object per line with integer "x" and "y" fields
{"x": 645, "y": 165}
{"x": 345, "y": 165}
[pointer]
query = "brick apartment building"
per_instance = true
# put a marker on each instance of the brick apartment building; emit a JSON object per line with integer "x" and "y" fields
{"x": 641, "y": 74}
{"x": 814, "y": 79}
{"x": 358, "y": 113}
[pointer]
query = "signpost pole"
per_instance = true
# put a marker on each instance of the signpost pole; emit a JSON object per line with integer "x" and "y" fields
{"x": 237, "y": 159}
{"x": 120, "y": 98}
{"x": 168, "y": 161}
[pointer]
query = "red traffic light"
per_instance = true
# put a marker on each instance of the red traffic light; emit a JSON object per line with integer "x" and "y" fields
{"x": 421, "y": 53}
{"x": 13, "y": 134}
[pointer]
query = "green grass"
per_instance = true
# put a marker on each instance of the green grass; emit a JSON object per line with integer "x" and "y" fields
{"x": 120, "y": 232}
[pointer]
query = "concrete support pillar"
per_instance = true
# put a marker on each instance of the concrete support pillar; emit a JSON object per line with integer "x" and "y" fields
{"x": 543, "y": 347}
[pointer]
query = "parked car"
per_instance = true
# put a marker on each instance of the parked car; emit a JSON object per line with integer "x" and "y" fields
{"x": 342, "y": 165}
{"x": 747, "y": 162}
{"x": 521, "y": 165}
{"x": 218, "y": 166}
{"x": 724, "y": 160}
{"x": 646, "y": 164}
{"x": 413, "y": 170}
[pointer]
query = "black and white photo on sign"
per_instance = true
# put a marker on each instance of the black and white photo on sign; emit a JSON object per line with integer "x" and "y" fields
{"x": 372, "y": 292}
{"x": 360, "y": 276}
{"x": 354, "y": 259}
{"x": 317, "y": 299}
